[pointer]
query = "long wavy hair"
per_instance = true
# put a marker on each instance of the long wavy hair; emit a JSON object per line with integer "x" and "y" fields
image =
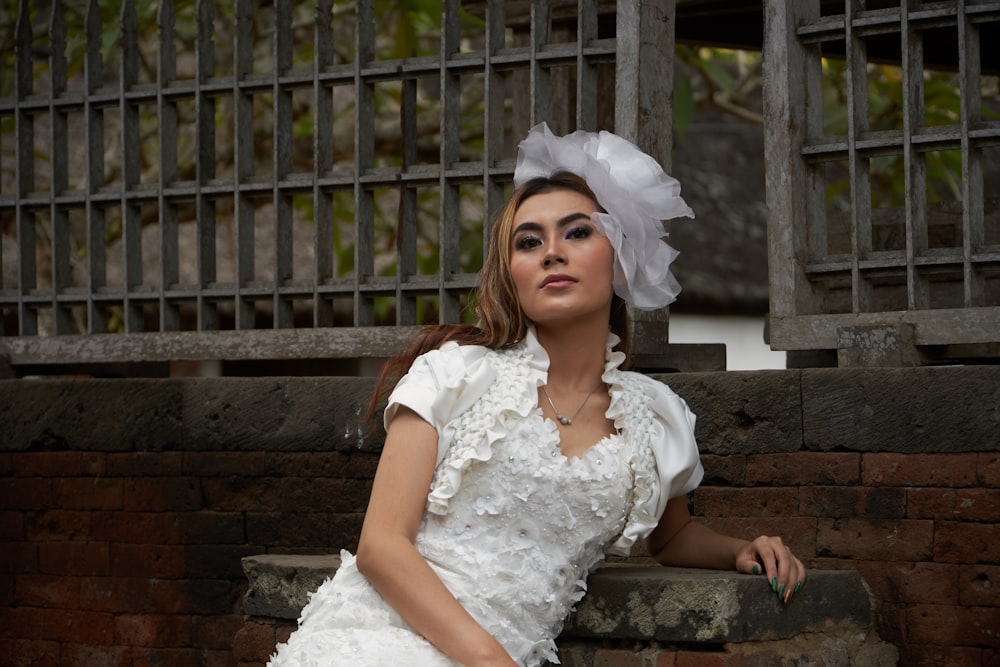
{"x": 500, "y": 320}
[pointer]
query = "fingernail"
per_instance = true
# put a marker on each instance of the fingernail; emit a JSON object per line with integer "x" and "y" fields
{"x": 781, "y": 591}
{"x": 756, "y": 570}
{"x": 798, "y": 586}
{"x": 788, "y": 595}
{"x": 774, "y": 584}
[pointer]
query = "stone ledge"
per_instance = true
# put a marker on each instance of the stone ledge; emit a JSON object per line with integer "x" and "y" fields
{"x": 638, "y": 602}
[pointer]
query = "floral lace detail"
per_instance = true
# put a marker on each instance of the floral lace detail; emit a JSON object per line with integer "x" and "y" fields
{"x": 512, "y": 526}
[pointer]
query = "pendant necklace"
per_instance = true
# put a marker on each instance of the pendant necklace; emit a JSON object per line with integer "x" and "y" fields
{"x": 567, "y": 421}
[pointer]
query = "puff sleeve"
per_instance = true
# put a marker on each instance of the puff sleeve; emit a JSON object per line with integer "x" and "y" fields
{"x": 440, "y": 386}
{"x": 665, "y": 460}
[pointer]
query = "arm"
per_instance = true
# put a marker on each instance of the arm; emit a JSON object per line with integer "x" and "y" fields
{"x": 680, "y": 541}
{"x": 387, "y": 558}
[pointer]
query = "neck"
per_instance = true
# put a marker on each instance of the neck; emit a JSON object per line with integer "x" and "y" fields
{"x": 576, "y": 353}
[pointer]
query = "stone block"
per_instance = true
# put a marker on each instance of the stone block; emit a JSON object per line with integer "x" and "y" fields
{"x": 633, "y": 602}
{"x": 279, "y": 414}
{"x": 743, "y": 412}
{"x": 710, "y": 606}
{"x": 280, "y": 584}
{"x": 90, "y": 415}
{"x": 907, "y": 410}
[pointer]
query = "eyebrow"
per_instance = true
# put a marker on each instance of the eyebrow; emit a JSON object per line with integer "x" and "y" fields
{"x": 530, "y": 226}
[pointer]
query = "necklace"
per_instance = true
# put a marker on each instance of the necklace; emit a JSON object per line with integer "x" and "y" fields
{"x": 567, "y": 421}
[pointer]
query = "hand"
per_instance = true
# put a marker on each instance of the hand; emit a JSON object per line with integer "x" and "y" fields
{"x": 785, "y": 573}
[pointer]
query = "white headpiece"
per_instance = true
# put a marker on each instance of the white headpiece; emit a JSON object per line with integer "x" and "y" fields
{"x": 637, "y": 195}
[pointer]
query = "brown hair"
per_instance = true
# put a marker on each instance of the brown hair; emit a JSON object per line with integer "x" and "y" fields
{"x": 500, "y": 321}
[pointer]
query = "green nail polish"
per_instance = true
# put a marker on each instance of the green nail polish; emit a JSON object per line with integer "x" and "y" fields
{"x": 781, "y": 591}
{"x": 774, "y": 584}
{"x": 798, "y": 586}
{"x": 756, "y": 570}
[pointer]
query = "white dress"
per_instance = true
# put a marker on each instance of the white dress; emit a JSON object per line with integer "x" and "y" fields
{"x": 512, "y": 527}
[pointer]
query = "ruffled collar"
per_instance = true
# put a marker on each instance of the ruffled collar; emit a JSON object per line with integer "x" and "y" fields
{"x": 538, "y": 358}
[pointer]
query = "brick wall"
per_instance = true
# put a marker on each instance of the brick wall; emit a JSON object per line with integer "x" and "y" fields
{"x": 127, "y": 505}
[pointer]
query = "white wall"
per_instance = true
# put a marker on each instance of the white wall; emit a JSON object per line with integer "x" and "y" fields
{"x": 743, "y": 337}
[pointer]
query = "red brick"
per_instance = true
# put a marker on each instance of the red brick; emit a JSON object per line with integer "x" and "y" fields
{"x": 214, "y": 527}
{"x": 84, "y": 655}
{"x": 988, "y": 468}
{"x": 119, "y": 594}
{"x": 955, "y": 504}
{"x": 930, "y": 503}
{"x": 225, "y": 464}
{"x": 930, "y": 655}
{"x": 950, "y": 470}
{"x": 707, "y": 659}
{"x": 57, "y": 525}
{"x": 85, "y": 493}
{"x": 138, "y": 527}
{"x": 956, "y": 542}
{"x": 285, "y": 494}
{"x": 6, "y": 464}
{"x": 949, "y": 625}
{"x": 147, "y": 560}
{"x": 804, "y": 468}
{"x": 152, "y": 630}
{"x": 30, "y": 653}
{"x": 145, "y": 464}
{"x": 47, "y": 464}
{"x": 254, "y": 641}
{"x": 165, "y": 657}
{"x": 724, "y": 470}
{"x": 799, "y": 533}
{"x": 22, "y": 623}
{"x": 19, "y": 557}
{"x": 11, "y": 526}
{"x": 75, "y": 626}
{"x": 30, "y": 493}
{"x": 216, "y": 632}
{"x": 283, "y": 632}
{"x": 39, "y": 590}
{"x": 617, "y": 658}
{"x": 906, "y": 540}
{"x": 979, "y": 585}
{"x": 927, "y": 583}
{"x": 724, "y": 501}
{"x": 666, "y": 659}
{"x": 74, "y": 558}
{"x": 844, "y": 502}
{"x": 195, "y": 596}
{"x": 158, "y": 494}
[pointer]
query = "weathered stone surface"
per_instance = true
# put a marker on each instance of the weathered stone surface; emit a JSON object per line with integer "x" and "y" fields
{"x": 632, "y": 601}
{"x": 911, "y": 410}
{"x": 280, "y": 584}
{"x": 300, "y": 414}
{"x": 709, "y": 606}
{"x": 743, "y": 412}
{"x": 105, "y": 415}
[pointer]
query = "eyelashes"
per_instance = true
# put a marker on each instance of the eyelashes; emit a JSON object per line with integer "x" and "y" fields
{"x": 531, "y": 241}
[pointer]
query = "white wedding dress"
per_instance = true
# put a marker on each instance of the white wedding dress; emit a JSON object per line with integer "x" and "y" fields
{"x": 512, "y": 527}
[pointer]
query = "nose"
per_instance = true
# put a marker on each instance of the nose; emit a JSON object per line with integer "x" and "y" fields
{"x": 553, "y": 258}
{"x": 553, "y": 255}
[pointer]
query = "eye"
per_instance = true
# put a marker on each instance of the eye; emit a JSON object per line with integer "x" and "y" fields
{"x": 580, "y": 232}
{"x": 527, "y": 242}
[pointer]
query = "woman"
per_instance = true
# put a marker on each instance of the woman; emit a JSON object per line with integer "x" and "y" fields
{"x": 518, "y": 452}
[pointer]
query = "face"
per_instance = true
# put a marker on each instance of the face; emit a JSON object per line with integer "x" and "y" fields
{"x": 561, "y": 264}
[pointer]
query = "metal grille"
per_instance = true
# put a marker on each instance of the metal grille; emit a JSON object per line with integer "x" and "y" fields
{"x": 141, "y": 205}
{"x": 840, "y": 256}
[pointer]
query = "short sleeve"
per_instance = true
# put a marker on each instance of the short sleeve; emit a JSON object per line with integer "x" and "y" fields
{"x": 440, "y": 386}
{"x": 667, "y": 467}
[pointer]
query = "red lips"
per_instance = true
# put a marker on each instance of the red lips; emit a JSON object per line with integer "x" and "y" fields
{"x": 557, "y": 278}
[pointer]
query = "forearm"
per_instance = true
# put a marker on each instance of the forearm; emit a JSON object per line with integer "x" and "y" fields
{"x": 697, "y": 545}
{"x": 405, "y": 580}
